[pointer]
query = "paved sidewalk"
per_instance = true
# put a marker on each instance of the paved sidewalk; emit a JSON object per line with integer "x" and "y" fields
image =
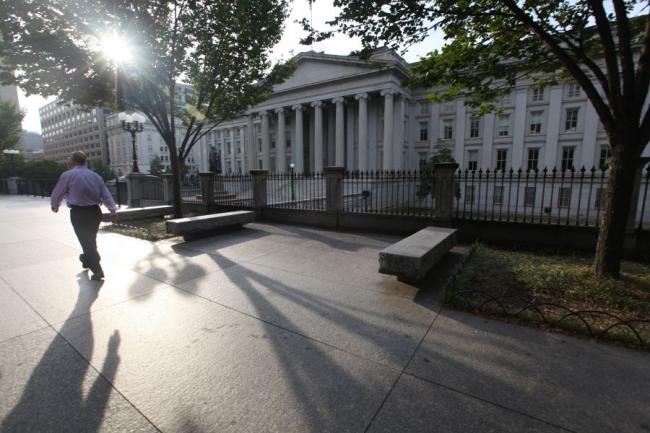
{"x": 275, "y": 329}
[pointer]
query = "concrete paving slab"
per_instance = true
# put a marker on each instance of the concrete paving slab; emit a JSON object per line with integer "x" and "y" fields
{"x": 582, "y": 385}
{"x": 373, "y": 325}
{"x": 417, "y": 406}
{"x": 45, "y": 386}
{"x": 12, "y": 234}
{"x": 16, "y": 317}
{"x": 342, "y": 267}
{"x": 191, "y": 365}
{"x": 25, "y": 253}
{"x": 53, "y": 288}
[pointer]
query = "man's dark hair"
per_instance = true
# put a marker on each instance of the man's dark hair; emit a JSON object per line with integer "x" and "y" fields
{"x": 78, "y": 158}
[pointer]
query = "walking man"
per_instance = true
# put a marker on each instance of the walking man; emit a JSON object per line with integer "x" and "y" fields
{"x": 84, "y": 191}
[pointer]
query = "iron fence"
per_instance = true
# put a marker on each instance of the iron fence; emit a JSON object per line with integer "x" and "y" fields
{"x": 233, "y": 190}
{"x": 407, "y": 193}
{"x": 569, "y": 197}
{"x": 35, "y": 187}
{"x": 191, "y": 192}
{"x": 296, "y": 191}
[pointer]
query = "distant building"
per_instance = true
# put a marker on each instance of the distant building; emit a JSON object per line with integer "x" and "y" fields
{"x": 356, "y": 113}
{"x": 68, "y": 127}
{"x": 149, "y": 143}
{"x": 31, "y": 141}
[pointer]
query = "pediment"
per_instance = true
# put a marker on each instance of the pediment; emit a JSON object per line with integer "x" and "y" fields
{"x": 312, "y": 71}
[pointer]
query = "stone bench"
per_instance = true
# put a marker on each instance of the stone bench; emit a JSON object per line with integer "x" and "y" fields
{"x": 139, "y": 213}
{"x": 198, "y": 226}
{"x": 411, "y": 258}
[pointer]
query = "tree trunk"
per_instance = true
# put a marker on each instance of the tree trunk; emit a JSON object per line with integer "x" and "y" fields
{"x": 623, "y": 165}
{"x": 176, "y": 173}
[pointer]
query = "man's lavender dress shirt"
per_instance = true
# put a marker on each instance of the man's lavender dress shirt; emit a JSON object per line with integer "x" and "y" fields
{"x": 82, "y": 187}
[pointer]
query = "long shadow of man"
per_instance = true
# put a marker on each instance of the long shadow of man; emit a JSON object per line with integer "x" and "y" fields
{"x": 53, "y": 400}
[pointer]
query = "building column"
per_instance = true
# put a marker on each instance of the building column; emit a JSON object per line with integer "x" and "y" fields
{"x": 266, "y": 141}
{"x": 363, "y": 131}
{"x": 553, "y": 127}
{"x": 222, "y": 157}
{"x": 519, "y": 129}
{"x": 349, "y": 138}
{"x": 339, "y": 136}
{"x": 251, "y": 151}
{"x": 589, "y": 151}
{"x": 318, "y": 136}
{"x": 388, "y": 128}
{"x": 459, "y": 133}
{"x": 281, "y": 145}
{"x": 232, "y": 150}
{"x": 242, "y": 147}
{"x": 298, "y": 149}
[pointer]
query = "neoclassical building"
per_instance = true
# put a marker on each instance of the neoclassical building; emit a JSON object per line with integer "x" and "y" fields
{"x": 345, "y": 111}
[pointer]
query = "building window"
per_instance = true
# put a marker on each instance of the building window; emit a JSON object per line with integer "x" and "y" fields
{"x": 533, "y": 158}
{"x": 447, "y": 129}
{"x": 423, "y": 160}
{"x": 567, "y": 157}
{"x": 469, "y": 194}
{"x": 272, "y": 134}
{"x": 529, "y": 196}
{"x": 603, "y": 160}
{"x": 449, "y": 106}
{"x": 472, "y": 160}
{"x": 538, "y": 94}
{"x": 424, "y": 131}
{"x": 503, "y": 129}
{"x": 535, "y": 126}
{"x": 474, "y": 127}
{"x": 506, "y": 99}
{"x": 498, "y": 195}
{"x": 502, "y": 159}
{"x": 571, "y": 122}
{"x": 424, "y": 107}
{"x": 564, "y": 197}
{"x": 574, "y": 90}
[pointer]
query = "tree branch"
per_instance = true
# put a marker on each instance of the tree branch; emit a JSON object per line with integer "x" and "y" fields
{"x": 643, "y": 69}
{"x": 597, "y": 101}
{"x": 611, "y": 59}
{"x": 625, "y": 48}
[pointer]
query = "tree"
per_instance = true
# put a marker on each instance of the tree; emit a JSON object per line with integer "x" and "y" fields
{"x": 101, "y": 169}
{"x": 493, "y": 44}
{"x": 219, "y": 47}
{"x": 156, "y": 166}
{"x": 11, "y": 129}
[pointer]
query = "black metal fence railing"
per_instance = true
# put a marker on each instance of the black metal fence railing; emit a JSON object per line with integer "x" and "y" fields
{"x": 35, "y": 187}
{"x": 233, "y": 190}
{"x": 407, "y": 193}
{"x": 569, "y": 197}
{"x": 191, "y": 192}
{"x": 296, "y": 191}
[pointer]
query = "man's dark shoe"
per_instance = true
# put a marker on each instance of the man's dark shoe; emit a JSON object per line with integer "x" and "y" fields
{"x": 97, "y": 277}
{"x": 82, "y": 259}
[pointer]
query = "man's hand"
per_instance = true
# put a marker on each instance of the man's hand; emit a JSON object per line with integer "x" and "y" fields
{"x": 55, "y": 209}
{"x": 113, "y": 217}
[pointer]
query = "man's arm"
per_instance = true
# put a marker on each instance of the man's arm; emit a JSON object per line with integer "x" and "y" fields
{"x": 107, "y": 198}
{"x": 59, "y": 191}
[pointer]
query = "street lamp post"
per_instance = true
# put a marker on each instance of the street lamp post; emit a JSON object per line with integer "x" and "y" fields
{"x": 133, "y": 125}
{"x": 293, "y": 189}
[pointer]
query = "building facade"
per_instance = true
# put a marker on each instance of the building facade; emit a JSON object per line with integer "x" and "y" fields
{"x": 149, "y": 144}
{"x": 68, "y": 127}
{"x": 344, "y": 111}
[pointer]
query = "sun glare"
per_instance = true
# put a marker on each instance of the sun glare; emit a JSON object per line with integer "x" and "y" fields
{"x": 116, "y": 48}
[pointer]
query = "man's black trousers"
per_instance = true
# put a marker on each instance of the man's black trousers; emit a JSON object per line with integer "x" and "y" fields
{"x": 85, "y": 221}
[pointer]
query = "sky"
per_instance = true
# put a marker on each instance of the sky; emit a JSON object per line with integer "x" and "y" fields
{"x": 289, "y": 45}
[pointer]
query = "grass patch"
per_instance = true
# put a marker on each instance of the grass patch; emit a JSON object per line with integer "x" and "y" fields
{"x": 544, "y": 288}
{"x": 148, "y": 229}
